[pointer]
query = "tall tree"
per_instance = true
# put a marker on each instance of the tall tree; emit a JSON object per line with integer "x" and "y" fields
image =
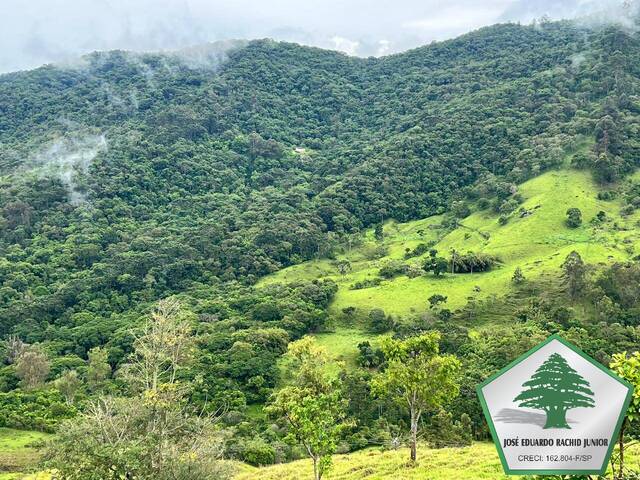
{"x": 556, "y": 387}
{"x": 98, "y": 369}
{"x": 312, "y": 405}
{"x": 153, "y": 435}
{"x": 418, "y": 378}
{"x": 163, "y": 347}
{"x": 574, "y": 272}
{"x": 68, "y": 385}
{"x": 32, "y": 367}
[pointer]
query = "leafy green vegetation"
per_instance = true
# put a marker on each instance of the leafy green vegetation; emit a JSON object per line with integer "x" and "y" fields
{"x": 478, "y": 191}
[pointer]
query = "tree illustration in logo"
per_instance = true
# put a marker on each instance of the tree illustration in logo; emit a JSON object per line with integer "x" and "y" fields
{"x": 555, "y": 387}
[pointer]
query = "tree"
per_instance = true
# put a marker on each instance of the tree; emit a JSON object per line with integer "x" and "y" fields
{"x": 518, "y": 277}
{"x": 32, "y": 367}
{"x": 574, "y": 273}
{"x": 436, "y": 299}
{"x": 98, "y": 369}
{"x": 311, "y": 404}
{"x": 68, "y": 385}
{"x": 418, "y": 378}
{"x": 378, "y": 232}
{"x": 627, "y": 366}
{"x": 435, "y": 264}
{"x": 344, "y": 266}
{"x": 555, "y": 388}
{"x": 379, "y": 322}
{"x": 574, "y": 217}
{"x": 163, "y": 347}
{"x": 13, "y": 348}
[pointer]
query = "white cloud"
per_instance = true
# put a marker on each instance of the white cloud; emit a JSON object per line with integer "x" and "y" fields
{"x": 350, "y": 47}
{"x": 33, "y": 32}
{"x": 384, "y": 47}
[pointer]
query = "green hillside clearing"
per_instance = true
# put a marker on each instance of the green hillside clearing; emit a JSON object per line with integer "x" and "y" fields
{"x": 18, "y": 452}
{"x": 537, "y": 242}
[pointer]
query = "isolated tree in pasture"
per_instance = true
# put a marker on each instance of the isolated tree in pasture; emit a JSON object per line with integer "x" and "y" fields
{"x": 436, "y": 299}
{"x": 32, "y": 368}
{"x": 574, "y": 218}
{"x": 344, "y": 266}
{"x": 518, "y": 277}
{"x": 418, "y": 378}
{"x": 555, "y": 388}
{"x": 435, "y": 264}
{"x": 311, "y": 405}
{"x": 379, "y": 322}
{"x": 378, "y": 232}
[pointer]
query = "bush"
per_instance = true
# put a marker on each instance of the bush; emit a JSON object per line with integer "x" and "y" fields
{"x": 574, "y": 218}
{"x": 444, "y": 432}
{"x": 257, "y": 452}
{"x": 471, "y": 262}
{"x": 367, "y": 283}
{"x": 40, "y": 410}
{"x": 420, "y": 249}
{"x": 393, "y": 269}
{"x": 378, "y": 322}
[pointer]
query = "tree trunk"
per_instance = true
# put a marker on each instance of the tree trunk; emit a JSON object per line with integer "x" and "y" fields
{"x": 557, "y": 418}
{"x": 414, "y": 435}
{"x": 621, "y": 446}
{"x": 316, "y": 469}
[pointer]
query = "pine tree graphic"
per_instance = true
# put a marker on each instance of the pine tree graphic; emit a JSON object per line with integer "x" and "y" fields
{"x": 556, "y": 388}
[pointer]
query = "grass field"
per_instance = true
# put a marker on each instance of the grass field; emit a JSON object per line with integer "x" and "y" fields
{"x": 18, "y": 452}
{"x": 477, "y": 462}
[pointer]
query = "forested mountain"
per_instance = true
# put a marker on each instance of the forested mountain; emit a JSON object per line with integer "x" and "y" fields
{"x": 127, "y": 178}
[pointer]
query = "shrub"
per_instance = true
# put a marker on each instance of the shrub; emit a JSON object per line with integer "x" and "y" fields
{"x": 378, "y": 322}
{"x": 257, "y": 452}
{"x": 393, "y": 269}
{"x": 574, "y": 218}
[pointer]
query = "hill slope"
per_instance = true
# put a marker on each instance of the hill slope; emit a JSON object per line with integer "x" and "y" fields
{"x": 537, "y": 242}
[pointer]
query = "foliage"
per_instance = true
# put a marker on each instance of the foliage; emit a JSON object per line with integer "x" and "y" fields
{"x": 41, "y": 410}
{"x": 32, "y": 367}
{"x": 312, "y": 405}
{"x": 378, "y": 322}
{"x": 417, "y": 377}
{"x": 152, "y": 434}
{"x": 574, "y": 217}
{"x": 518, "y": 277}
{"x": 574, "y": 273}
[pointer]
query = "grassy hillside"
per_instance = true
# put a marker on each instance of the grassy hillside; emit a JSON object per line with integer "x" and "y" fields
{"x": 478, "y": 462}
{"x": 538, "y": 243}
{"x": 18, "y": 452}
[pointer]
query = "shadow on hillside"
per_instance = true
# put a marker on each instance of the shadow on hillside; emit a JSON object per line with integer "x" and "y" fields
{"x": 511, "y": 415}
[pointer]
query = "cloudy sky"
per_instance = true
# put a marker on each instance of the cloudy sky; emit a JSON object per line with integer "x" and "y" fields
{"x": 35, "y": 32}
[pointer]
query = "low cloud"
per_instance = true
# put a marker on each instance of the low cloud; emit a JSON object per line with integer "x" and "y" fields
{"x": 30, "y": 37}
